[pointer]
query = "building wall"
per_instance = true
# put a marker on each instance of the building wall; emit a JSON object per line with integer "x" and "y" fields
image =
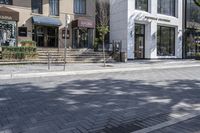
{"x": 123, "y": 26}
{"x": 66, "y": 7}
{"x": 118, "y": 21}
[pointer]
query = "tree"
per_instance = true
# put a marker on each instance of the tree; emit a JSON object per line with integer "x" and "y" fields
{"x": 102, "y": 20}
{"x": 197, "y": 2}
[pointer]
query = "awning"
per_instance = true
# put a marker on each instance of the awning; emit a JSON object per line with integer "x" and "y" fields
{"x": 83, "y": 23}
{"x": 46, "y": 21}
{"x": 8, "y": 14}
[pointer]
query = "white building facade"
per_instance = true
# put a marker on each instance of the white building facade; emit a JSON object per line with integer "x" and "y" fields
{"x": 148, "y": 29}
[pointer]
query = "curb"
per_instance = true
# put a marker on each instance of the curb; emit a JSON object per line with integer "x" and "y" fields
{"x": 85, "y": 72}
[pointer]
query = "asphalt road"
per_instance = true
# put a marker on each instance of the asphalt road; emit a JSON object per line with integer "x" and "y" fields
{"x": 99, "y": 103}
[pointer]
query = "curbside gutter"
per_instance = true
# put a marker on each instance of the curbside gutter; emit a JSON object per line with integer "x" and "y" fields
{"x": 85, "y": 72}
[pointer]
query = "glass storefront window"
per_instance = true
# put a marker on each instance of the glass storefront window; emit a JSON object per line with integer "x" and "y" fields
{"x": 192, "y": 40}
{"x": 193, "y": 11}
{"x": 165, "y": 41}
{"x": 167, "y": 7}
{"x": 141, "y": 5}
{"x": 7, "y": 33}
{"x": 192, "y": 43}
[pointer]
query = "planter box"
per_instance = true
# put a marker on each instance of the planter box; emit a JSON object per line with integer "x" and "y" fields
{"x": 27, "y": 45}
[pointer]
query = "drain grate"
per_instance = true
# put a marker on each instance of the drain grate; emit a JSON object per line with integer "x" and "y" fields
{"x": 124, "y": 128}
{"x": 135, "y": 125}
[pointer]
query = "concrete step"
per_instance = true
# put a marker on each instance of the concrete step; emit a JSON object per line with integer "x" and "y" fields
{"x": 69, "y": 61}
{"x": 73, "y": 55}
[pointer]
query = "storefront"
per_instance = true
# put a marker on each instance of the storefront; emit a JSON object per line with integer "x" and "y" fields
{"x": 83, "y": 33}
{"x": 192, "y": 28}
{"x": 148, "y": 29}
{"x": 46, "y": 31}
{"x": 8, "y": 26}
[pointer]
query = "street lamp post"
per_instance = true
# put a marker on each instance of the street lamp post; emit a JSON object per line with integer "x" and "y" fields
{"x": 67, "y": 21}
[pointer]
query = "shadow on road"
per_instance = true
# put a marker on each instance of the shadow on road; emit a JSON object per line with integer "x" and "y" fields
{"x": 92, "y": 105}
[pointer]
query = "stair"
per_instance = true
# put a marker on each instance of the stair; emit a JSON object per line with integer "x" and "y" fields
{"x": 72, "y": 56}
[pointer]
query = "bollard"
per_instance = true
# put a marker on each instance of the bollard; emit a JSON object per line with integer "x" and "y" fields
{"x": 49, "y": 61}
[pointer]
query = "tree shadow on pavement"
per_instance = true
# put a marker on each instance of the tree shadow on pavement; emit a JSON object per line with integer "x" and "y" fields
{"x": 91, "y": 104}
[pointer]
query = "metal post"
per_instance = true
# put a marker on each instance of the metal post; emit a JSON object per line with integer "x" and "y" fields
{"x": 104, "y": 56}
{"x": 65, "y": 52}
{"x": 49, "y": 61}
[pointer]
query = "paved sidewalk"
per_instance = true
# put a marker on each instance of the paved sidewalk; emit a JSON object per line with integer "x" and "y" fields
{"x": 41, "y": 70}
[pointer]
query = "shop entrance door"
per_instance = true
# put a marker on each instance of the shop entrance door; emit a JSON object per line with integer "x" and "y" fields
{"x": 82, "y": 38}
{"x": 46, "y": 36}
{"x": 139, "y": 41}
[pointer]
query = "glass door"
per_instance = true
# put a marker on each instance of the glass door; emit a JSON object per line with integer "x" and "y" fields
{"x": 40, "y": 36}
{"x": 139, "y": 41}
{"x": 52, "y": 36}
{"x": 80, "y": 38}
{"x": 83, "y": 38}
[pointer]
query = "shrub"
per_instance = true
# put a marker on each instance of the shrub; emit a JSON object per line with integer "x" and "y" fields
{"x": 198, "y": 54}
{"x": 19, "y": 52}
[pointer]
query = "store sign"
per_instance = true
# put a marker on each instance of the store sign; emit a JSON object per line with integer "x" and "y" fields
{"x": 157, "y": 19}
{"x": 86, "y": 23}
{"x": 22, "y": 31}
{"x": 6, "y": 17}
{"x": 8, "y": 14}
{"x": 83, "y": 23}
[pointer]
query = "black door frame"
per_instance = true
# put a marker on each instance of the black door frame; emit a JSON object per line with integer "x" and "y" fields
{"x": 140, "y": 35}
{"x": 45, "y": 34}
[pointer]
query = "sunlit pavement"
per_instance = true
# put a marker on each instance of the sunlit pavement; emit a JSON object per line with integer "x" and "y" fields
{"x": 120, "y": 102}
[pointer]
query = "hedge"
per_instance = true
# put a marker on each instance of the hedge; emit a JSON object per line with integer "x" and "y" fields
{"x": 19, "y": 52}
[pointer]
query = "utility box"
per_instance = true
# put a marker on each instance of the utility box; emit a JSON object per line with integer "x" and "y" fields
{"x": 123, "y": 56}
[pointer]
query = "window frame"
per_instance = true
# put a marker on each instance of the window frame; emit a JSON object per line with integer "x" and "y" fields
{"x": 147, "y": 10}
{"x": 159, "y": 9}
{"x": 85, "y": 5}
{"x": 58, "y": 8}
{"x": 40, "y": 12}
{"x": 159, "y": 43}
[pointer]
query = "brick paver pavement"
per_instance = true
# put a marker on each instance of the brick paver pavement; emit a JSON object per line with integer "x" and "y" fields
{"x": 99, "y": 103}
